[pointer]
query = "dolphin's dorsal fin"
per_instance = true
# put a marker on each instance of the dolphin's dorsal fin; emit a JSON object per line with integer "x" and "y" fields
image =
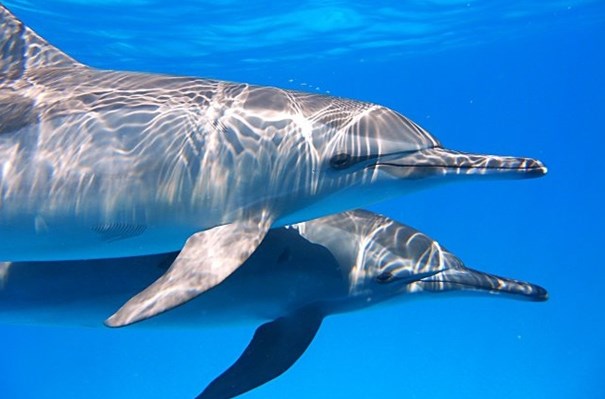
{"x": 22, "y": 49}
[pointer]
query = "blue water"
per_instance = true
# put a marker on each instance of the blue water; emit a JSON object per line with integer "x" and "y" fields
{"x": 510, "y": 77}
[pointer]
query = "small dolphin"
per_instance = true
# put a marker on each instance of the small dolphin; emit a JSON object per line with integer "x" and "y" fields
{"x": 296, "y": 277}
{"x": 103, "y": 164}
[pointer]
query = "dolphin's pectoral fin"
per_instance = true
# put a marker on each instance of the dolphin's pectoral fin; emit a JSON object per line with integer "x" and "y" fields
{"x": 275, "y": 347}
{"x": 207, "y": 258}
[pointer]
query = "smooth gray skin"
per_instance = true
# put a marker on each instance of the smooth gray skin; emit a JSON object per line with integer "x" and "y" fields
{"x": 101, "y": 164}
{"x": 296, "y": 277}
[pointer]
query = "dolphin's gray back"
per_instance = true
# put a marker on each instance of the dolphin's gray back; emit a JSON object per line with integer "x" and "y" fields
{"x": 135, "y": 141}
{"x": 130, "y": 142}
{"x": 102, "y": 144}
{"x": 129, "y": 160}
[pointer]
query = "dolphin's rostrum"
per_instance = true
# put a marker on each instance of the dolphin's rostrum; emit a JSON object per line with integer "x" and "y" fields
{"x": 99, "y": 164}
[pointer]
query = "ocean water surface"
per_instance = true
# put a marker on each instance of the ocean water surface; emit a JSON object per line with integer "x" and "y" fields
{"x": 506, "y": 77}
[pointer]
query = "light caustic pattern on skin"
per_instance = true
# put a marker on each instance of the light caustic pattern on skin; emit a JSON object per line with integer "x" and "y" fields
{"x": 375, "y": 250}
{"x": 174, "y": 140}
{"x": 132, "y": 142}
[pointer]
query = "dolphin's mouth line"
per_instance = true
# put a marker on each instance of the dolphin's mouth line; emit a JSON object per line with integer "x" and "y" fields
{"x": 458, "y": 283}
{"x": 465, "y": 167}
{"x": 345, "y": 161}
{"x": 388, "y": 277}
{"x": 435, "y": 159}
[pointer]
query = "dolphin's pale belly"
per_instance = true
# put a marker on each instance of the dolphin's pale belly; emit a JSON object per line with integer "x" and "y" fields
{"x": 37, "y": 241}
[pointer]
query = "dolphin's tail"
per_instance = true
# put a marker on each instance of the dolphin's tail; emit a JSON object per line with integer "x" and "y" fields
{"x": 473, "y": 280}
{"x": 22, "y": 49}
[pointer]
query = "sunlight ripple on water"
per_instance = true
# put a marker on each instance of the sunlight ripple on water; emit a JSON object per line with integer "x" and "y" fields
{"x": 210, "y": 34}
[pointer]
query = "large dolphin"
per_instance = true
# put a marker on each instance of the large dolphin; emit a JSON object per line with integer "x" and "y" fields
{"x": 98, "y": 164}
{"x": 297, "y": 277}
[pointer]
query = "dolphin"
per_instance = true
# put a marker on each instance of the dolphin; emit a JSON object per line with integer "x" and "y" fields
{"x": 106, "y": 164}
{"x": 298, "y": 276}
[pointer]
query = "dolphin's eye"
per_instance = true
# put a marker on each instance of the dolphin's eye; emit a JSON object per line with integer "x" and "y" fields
{"x": 384, "y": 277}
{"x": 341, "y": 161}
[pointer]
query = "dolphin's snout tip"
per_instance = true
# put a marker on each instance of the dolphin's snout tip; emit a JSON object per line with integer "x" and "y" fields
{"x": 539, "y": 294}
{"x": 109, "y": 323}
{"x": 536, "y": 168}
{"x": 522, "y": 167}
{"x": 113, "y": 322}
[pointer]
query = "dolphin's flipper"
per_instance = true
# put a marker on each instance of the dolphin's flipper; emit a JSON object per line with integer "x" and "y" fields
{"x": 275, "y": 347}
{"x": 207, "y": 258}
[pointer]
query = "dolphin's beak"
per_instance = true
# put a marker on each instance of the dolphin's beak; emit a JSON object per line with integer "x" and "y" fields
{"x": 473, "y": 280}
{"x": 438, "y": 161}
